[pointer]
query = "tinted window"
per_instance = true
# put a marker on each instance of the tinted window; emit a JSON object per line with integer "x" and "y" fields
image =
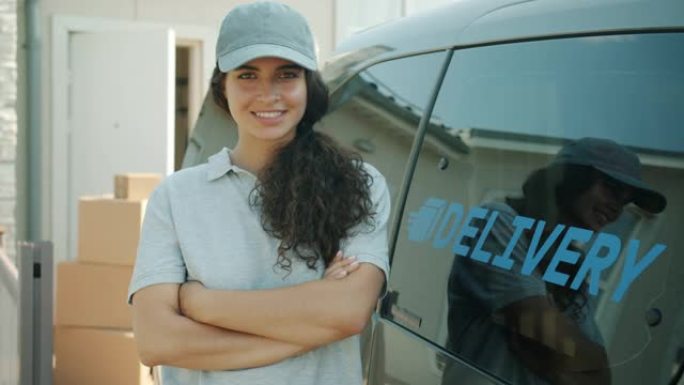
{"x": 376, "y": 113}
{"x": 470, "y": 271}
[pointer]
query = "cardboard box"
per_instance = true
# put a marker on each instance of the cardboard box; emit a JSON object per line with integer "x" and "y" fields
{"x": 109, "y": 230}
{"x": 135, "y": 186}
{"x": 97, "y": 356}
{"x": 93, "y": 295}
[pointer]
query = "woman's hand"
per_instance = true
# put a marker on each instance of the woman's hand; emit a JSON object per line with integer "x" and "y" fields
{"x": 188, "y": 295}
{"x": 341, "y": 266}
{"x": 535, "y": 357}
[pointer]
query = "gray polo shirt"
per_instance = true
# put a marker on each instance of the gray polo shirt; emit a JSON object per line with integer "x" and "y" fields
{"x": 199, "y": 225}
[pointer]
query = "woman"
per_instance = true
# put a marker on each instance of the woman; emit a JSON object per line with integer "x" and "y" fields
{"x": 242, "y": 274}
{"x": 518, "y": 326}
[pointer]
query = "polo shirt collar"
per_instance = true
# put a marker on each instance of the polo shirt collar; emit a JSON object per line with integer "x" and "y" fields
{"x": 219, "y": 165}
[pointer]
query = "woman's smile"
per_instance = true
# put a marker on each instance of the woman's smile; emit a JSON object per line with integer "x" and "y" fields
{"x": 269, "y": 117}
{"x": 602, "y": 218}
{"x": 599, "y": 206}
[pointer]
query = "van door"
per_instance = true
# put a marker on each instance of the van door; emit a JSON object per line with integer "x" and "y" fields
{"x": 462, "y": 260}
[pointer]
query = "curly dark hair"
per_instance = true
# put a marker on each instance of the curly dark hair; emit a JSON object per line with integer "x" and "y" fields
{"x": 314, "y": 192}
{"x": 547, "y": 193}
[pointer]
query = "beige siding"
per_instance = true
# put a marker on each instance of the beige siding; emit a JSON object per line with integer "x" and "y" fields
{"x": 8, "y": 117}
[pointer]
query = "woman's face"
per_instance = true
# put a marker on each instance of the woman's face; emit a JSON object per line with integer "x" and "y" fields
{"x": 601, "y": 203}
{"x": 267, "y": 98}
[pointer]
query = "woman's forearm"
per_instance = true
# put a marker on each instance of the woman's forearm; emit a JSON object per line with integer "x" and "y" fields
{"x": 205, "y": 347}
{"x": 537, "y": 328}
{"x": 166, "y": 337}
{"x": 587, "y": 357}
{"x": 310, "y": 314}
{"x": 571, "y": 349}
{"x": 550, "y": 365}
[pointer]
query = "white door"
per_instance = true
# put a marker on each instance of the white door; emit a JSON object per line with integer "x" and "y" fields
{"x": 121, "y": 114}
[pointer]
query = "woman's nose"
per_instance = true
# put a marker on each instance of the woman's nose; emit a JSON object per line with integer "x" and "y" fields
{"x": 269, "y": 91}
{"x": 623, "y": 195}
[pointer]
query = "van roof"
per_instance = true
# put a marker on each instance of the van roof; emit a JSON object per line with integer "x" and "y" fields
{"x": 470, "y": 22}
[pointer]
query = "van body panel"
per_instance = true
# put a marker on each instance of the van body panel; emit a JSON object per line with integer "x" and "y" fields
{"x": 400, "y": 358}
{"x": 471, "y": 22}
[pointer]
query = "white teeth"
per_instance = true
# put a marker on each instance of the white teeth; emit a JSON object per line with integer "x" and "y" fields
{"x": 268, "y": 115}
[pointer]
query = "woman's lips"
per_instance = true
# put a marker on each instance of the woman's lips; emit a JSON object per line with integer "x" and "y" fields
{"x": 268, "y": 114}
{"x": 269, "y": 118}
{"x": 605, "y": 216}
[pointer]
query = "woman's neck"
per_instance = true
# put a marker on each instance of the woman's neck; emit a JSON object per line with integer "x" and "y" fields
{"x": 252, "y": 157}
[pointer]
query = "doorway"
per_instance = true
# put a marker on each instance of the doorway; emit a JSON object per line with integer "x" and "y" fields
{"x": 114, "y": 109}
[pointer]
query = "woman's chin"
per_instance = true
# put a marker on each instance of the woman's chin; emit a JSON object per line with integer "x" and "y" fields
{"x": 273, "y": 135}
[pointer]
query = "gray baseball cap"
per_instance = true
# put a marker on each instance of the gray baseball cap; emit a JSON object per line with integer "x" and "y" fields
{"x": 616, "y": 161}
{"x": 264, "y": 29}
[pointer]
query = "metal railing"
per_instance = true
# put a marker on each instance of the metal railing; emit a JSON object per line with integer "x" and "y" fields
{"x": 35, "y": 313}
{"x": 30, "y": 287}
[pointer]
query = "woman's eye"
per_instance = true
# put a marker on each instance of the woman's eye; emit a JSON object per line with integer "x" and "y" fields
{"x": 289, "y": 75}
{"x": 246, "y": 75}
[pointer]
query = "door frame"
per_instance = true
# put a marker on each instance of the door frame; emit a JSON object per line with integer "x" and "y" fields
{"x": 62, "y": 27}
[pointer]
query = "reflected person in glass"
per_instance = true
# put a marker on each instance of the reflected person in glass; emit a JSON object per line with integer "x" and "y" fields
{"x": 518, "y": 325}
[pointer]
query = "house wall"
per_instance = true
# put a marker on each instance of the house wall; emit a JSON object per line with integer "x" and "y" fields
{"x": 8, "y": 117}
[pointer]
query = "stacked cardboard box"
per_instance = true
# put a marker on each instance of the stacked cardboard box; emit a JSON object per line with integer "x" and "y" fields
{"x": 93, "y": 339}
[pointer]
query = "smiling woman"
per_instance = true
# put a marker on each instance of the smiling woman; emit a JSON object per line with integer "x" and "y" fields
{"x": 271, "y": 257}
{"x": 267, "y": 99}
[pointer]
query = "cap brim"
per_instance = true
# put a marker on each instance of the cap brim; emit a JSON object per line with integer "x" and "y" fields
{"x": 646, "y": 197}
{"x": 238, "y": 57}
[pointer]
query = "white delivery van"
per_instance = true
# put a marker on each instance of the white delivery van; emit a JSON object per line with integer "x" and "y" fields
{"x": 456, "y": 107}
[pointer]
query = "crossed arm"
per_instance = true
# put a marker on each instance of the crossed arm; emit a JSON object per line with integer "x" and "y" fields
{"x": 166, "y": 337}
{"x": 193, "y": 327}
{"x": 310, "y": 314}
{"x": 552, "y": 345}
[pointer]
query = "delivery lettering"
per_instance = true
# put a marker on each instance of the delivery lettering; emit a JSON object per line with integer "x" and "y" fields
{"x": 439, "y": 220}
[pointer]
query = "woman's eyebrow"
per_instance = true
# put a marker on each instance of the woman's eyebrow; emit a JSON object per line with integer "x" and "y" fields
{"x": 248, "y": 67}
{"x": 290, "y": 67}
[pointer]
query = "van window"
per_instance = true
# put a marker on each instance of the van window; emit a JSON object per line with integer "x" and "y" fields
{"x": 532, "y": 269}
{"x": 377, "y": 112}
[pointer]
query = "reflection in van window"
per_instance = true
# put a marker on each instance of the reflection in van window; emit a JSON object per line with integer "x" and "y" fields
{"x": 626, "y": 87}
{"x": 607, "y": 253}
{"x": 377, "y": 112}
{"x": 522, "y": 303}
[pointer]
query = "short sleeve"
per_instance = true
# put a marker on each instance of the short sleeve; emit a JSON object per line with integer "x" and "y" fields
{"x": 495, "y": 287}
{"x": 159, "y": 258}
{"x": 368, "y": 242}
